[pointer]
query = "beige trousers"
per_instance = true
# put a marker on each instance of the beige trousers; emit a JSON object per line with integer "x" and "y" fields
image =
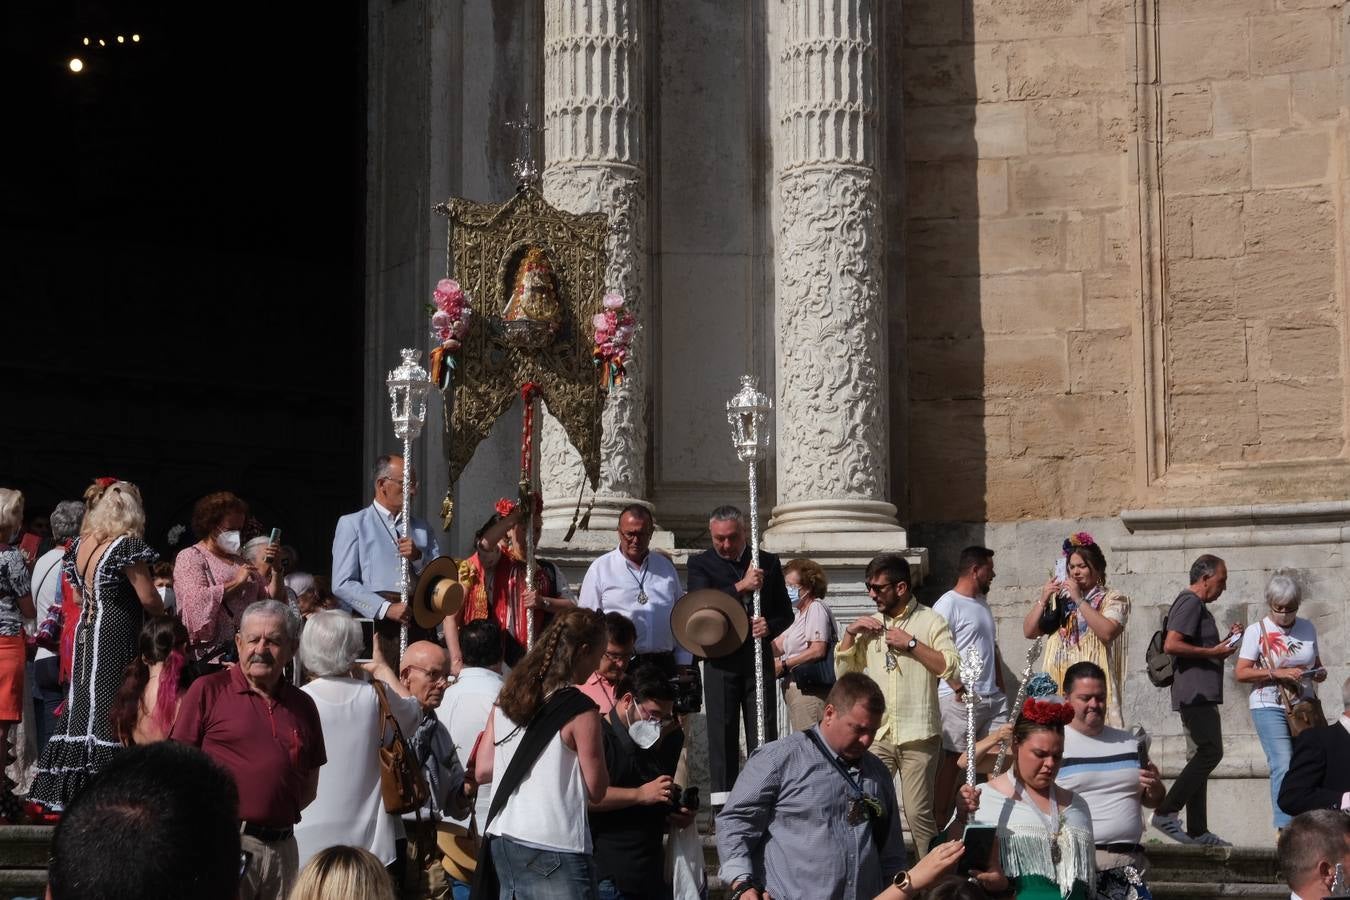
{"x": 914, "y": 765}
{"x": 271, "y": 868}
{"x": 805, "y": 707}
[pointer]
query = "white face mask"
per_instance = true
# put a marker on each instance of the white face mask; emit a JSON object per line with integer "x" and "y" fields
{"x": 228, "y": 541}
{"x": 166, "y": 594}
{"x": 645, "y": 733}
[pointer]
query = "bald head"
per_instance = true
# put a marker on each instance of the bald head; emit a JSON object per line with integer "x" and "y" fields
{"x": 423, "y": 671}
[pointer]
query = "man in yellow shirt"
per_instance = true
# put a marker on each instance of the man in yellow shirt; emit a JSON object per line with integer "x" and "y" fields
{"x": 905, "y": 647}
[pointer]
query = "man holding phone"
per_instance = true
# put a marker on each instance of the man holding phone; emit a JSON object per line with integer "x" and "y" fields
{"x": 1110, "y": 770}
{"x": 1197, "y": 691}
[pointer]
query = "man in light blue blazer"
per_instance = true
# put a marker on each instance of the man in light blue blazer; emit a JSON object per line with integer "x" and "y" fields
{"x": 367, "y": 549}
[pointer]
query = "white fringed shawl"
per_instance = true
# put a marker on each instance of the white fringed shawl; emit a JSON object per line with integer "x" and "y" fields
{"x": 1024, "y": 847}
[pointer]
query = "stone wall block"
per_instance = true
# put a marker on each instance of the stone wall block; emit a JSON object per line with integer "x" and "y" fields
{"x": 1120, "y": 236}
{"x": 1178, "y": 242}
{"x": 942, "y": 306}
{"x": 1001, "y": 129}
{"x": 1284, "y": 160}
{"x": 944, "y": 246}
{"x": 1216, "y": 226}
{"x": 940, "y": 190}
{"x": 1297, "y": 352}
{"x": 1018, "y": 366}
{"x": 1099, "y": 360}
{"x": 1021, "y": 489}
{"x": 1317, "y": 96}
{"x": 1213, "y": 425}
{"x": 932, "y": 22}
{"x": 1219, "y": 165}
{"x": 1080, "y": 181}
{"x": 1066, "y": 67}
{"x": 1173, "y": 11}
{"x": 1306, "y": 410}
{"x": 1284, "y": 284}
{"x": 991, "y": 186}
{"x": 1014, "y": 20}
{"x": 1082, "y": 242}
{"x": 959, "y": 430}
{"x": 1110, "y": 16}
{"x": 962, "y": 73}
{"x": 1061, "y": 427}
{"x": 1022, "y": 304}
{"x": 1206, "y": 352}
{"x": 1089, "y": 482}
{"x": 1019, "y": 245}
{"x": 1298, "y": 220}
{"x": 1110, "y": 299}
{"x": 1117, "y": 122}
{"x": 946, "y": 369}
{"x": 1201, "y": 277}
{"x": 1291, "y": 42}
{"x": 1200, "y": 51}
{"x": 1062, "y": 126}
{"x": 1251, "y": 104}
{"x": 1187, "y": 112}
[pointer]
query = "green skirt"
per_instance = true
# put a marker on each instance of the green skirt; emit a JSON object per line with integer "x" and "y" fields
{"x": 1038, "y": 887}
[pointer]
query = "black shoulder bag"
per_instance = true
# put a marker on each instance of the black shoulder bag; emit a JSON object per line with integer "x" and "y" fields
{"x": 559, "y": 709}
{"x": 877, "y": 820}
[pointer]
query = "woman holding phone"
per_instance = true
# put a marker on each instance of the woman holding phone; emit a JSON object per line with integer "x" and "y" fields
{"x": 1280, "y": 659}
{"x": 1043, "y": 833}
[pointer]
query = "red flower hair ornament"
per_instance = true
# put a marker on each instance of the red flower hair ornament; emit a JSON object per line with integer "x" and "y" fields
{"x": 1047, "y": 712}
{"x": 507, "y": 506}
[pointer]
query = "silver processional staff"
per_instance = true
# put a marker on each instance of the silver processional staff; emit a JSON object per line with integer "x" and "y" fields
{"x": 409, "y": 386}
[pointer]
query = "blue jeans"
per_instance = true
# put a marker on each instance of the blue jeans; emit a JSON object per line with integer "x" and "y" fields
{"x": 458, "y": 889}
{"x": 532, "y": 874}
{"x": 1273, "y": 730}
{"x": 610, "y": 891}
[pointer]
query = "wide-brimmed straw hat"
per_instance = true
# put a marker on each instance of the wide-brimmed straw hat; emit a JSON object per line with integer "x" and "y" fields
{"x": 709, "y": 623}
{"x": 438, "y": 593}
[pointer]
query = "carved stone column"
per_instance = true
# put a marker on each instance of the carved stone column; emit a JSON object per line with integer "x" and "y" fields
{"x": 594, "y": 159}
{"x": 833, "y": 423}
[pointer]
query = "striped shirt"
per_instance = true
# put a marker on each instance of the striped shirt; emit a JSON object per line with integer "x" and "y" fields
{"x": 1104, "y": 771}
{"x": 785, "y": 824}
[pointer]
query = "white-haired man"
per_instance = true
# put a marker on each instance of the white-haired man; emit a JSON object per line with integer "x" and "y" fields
{"x": 267, "y": 734}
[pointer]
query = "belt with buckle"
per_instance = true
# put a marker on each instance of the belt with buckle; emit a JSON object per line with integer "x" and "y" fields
{"x": 265, "y": 834}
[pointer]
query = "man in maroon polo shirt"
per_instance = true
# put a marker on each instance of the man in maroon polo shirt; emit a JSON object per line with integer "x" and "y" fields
{"x": 266, "y": 733}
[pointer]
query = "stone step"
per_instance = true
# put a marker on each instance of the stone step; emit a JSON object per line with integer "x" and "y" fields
{"x": 24, "y": 852}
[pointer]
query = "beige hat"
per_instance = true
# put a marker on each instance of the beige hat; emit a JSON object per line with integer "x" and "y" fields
{"x": 438, "y": 593}
{"x": 709, "y": 623}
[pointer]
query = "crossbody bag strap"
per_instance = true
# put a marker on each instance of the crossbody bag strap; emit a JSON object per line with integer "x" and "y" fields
{"x": 555, "y": 712}
{"x": 1270, "y": 666}
{"x": 387, "y": 721}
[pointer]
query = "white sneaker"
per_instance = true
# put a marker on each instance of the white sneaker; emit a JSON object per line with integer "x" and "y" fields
{"x": 1170, "y": 825}
{"x": 1210, "y": 839}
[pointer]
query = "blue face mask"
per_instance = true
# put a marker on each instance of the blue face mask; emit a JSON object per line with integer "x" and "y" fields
{"x": 794, "y": 593}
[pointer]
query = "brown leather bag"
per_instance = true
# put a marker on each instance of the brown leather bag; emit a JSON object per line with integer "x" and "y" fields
{"x": 1299, "y": 714}
{"x": 403, "y": 786}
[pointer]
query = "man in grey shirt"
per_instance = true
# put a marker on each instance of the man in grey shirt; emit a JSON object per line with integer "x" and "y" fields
{"x": 816, "y": 795}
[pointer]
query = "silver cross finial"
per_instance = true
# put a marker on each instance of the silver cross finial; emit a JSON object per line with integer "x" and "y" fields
{"x": 524, "y": 167}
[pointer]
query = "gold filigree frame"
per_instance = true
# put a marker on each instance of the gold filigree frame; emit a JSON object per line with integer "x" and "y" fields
{"x": 483, "y": 239}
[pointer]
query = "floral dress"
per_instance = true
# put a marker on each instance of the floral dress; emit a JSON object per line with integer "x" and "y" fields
{"x": 1076, "y": 642}
{"x": 105, "y": 642}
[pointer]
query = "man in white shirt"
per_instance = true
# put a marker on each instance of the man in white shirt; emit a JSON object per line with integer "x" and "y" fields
{"x": 46, "y": 692}
{"x": 368, "y": 547}
{"x": 1309, "y": 850}
{"x": 464, "y": 712}
{"x": 1107, "y": 768}
{"x": 967, "y": 612}
{"x": 641, "y": 585}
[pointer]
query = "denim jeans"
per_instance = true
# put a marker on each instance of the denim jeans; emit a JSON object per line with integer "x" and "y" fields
{"x": 459, "y": 890}
{"x": 527, "y": 872}
{"x": 610, "y": 891}
{"x": 1273, "y": 730}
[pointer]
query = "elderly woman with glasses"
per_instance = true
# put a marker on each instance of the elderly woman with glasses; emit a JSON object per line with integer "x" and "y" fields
{"x": 1280, "y": 660}
{"x": 349, "y": 808}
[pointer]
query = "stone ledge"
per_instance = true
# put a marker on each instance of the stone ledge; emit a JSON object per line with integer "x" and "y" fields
{"x": 1276, "y": 524}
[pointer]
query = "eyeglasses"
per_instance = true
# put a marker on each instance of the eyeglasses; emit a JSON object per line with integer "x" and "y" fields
{"x": 435, "y": 677}
{"x": 877, "y": 588}
{"x": 617, "y": 657}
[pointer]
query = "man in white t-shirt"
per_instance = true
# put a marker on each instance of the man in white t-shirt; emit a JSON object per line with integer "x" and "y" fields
{"x": 972, "y": 624}
{"x": 1107, "y": 768}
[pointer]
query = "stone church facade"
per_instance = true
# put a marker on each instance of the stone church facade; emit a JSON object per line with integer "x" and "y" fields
{"x": 1009, "y": 268}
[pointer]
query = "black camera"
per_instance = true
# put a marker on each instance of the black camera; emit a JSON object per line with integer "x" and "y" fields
{"x": 684, "y": 798}
{"x": 688, "y": 690}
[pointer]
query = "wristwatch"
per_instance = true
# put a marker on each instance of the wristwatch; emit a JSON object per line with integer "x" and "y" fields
{"x": 913, "y": 642}
{"x": 901, "y": 880}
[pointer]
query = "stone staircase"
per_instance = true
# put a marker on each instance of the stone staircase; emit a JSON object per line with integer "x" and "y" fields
{"x": 24, "y": 851}
{"x": 1176, "y": 872}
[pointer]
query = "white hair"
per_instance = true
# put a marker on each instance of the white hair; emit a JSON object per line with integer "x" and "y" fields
{"x": 274, "y": 610}
{"x": 253, "y": 546}
{"x": 330, "y": 643}
{"x": 1283, "y": 590}
{"x": 66, "y": 519}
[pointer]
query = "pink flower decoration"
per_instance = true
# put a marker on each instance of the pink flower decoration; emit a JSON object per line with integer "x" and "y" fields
{"x": 613, "y": 300}
{"x": 601, "y": 322}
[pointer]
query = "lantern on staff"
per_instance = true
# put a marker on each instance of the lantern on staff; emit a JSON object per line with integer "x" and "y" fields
{"x": 748, "y": 413}
{"x": 409, "y": 386}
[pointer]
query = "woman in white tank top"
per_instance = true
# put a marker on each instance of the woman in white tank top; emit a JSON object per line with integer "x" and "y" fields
{"x": 541, "y": 839}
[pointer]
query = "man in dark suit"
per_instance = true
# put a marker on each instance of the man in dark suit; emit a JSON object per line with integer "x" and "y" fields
{"x": 1318, "y": 777}
{"x": 730, "y": 681}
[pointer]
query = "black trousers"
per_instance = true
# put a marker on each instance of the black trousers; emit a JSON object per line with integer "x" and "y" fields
{"x": 729, "y": 687}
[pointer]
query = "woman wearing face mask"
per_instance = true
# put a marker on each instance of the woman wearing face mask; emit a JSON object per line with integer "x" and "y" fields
{"x": 213, "y": 584}
{"x": 1091, "y": 621}
{"x": 1279, "y": 654}
{"x": 1044, "y": 848}
{"x": 807, "y": 640}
